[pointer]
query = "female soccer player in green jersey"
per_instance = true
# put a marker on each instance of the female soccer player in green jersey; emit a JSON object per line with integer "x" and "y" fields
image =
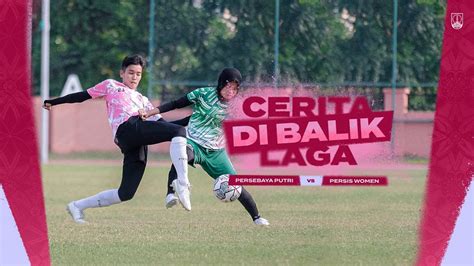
{"x": 206, "y": 136}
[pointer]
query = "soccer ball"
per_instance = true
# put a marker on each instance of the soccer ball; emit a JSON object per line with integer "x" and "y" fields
{"x": 225, "y": 192}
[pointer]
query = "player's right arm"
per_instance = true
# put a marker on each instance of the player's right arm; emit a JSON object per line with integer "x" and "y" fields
{"x": 77, "y": 97}
{"x": 186, "y": 100}
{"x": 166, "y": 107}
{"x": 99, "y": 90}
{"x": 176, "y": 104}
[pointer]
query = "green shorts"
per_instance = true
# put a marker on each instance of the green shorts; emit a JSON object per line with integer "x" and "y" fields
{"x": 214, "y": 162}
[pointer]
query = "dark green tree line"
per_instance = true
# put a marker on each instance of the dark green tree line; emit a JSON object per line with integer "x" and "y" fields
{"x": 320, "y": 41}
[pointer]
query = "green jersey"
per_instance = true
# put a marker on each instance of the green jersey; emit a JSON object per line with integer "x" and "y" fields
{"x": 205, "y": 125}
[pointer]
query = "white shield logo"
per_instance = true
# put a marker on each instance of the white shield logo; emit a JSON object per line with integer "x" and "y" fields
{"x": 456, "y": 20}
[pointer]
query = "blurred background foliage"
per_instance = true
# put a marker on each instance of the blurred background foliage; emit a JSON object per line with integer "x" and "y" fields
{"x": 332, "y": 44}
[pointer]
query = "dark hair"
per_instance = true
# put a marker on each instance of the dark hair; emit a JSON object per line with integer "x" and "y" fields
{"x": 135, "y": 59}
{"x": 227, "y": 75}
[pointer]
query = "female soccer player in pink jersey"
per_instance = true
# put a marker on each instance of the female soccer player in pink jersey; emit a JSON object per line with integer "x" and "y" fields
{"x": 132, "y": 134}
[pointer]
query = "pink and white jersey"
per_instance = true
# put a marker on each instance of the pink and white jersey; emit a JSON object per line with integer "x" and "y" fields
{"x": 122, "y": 102}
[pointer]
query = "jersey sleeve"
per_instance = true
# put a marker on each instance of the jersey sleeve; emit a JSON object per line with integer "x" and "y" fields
{"x": 179, "y": 103}
{"x": 77, "y": 97}
{"x": 149, "y": 106}
{"x": 100, "y": 89}
{"x": 196, "y": 94}
{"x": 146, "y": 102}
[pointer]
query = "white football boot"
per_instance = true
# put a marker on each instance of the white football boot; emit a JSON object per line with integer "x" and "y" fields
{"x": 171, "y": 200}
{"x": 261, "y": 221}
{"x": 183, "y": 194}
{"x": 76, "y": 213}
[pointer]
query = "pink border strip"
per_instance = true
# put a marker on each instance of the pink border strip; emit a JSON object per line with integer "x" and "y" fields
{"x": 453, "y": 145}
{"x": 19, "y": 165}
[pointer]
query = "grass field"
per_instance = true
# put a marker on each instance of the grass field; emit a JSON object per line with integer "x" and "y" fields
{"x": 309, "y": 226}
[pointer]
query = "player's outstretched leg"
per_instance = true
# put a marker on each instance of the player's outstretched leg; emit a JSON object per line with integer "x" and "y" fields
{"x": 249, "y": 204}
{"x": 180, "y": 162}
{"x": 134, "y": 164}
{"x": 156, "y": 132}
{"x": 103, "y": 199}
{"x": 171, "y": 200}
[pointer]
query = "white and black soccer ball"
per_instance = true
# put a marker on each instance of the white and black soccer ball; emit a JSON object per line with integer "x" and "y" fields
{"x": 225, "y": 192}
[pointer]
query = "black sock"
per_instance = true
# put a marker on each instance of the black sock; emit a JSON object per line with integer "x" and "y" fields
{"x": 172, "y": 175}
{"x": 249, "y": 204}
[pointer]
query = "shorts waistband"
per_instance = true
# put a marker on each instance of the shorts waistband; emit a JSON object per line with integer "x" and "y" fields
{"x": 209, "y": 150}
